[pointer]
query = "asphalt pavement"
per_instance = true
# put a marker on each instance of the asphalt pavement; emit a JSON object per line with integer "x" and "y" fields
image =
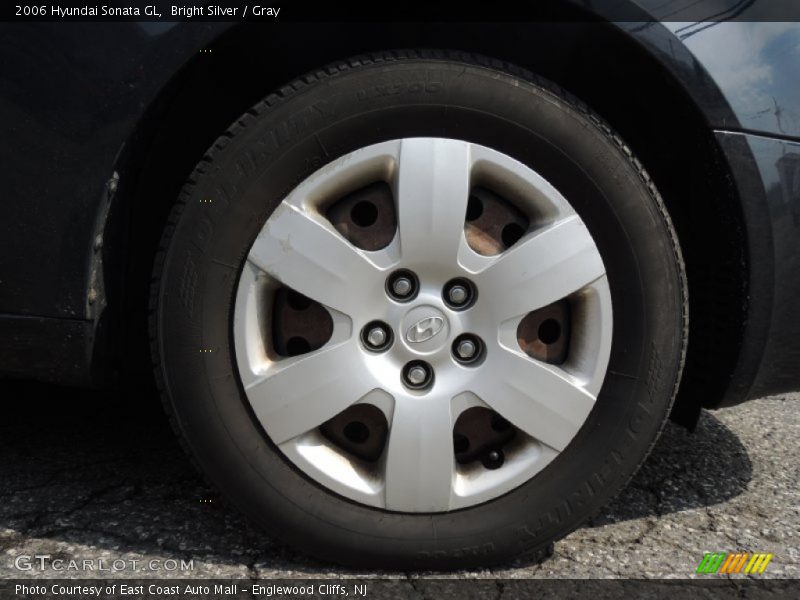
{"x": 95, "y": 480}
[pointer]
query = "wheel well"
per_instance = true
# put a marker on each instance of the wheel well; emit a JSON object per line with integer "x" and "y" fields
{"x": 623, "y": 83}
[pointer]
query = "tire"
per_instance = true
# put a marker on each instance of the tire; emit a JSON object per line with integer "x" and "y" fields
{"x": 353, "y": 105}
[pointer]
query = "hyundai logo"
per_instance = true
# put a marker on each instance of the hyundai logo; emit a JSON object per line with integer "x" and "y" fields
{"x": 424, "y": 329}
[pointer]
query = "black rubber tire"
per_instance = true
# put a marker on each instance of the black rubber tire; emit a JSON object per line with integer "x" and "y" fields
{"x": 360, "y": 102}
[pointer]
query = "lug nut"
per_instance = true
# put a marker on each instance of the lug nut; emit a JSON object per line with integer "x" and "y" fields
{"x": 458, "y": 294}
{"x": 417, "y": 375}
{"x": 466, "y": 349}
{"x": 376, "y": 336}
{"x": 402, "y": 285}
{"x": 493, "y": 459}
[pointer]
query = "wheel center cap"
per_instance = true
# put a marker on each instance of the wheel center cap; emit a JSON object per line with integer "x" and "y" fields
{"x": 425, "y": 329}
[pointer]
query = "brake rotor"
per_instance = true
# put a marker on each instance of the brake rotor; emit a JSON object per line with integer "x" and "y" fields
{"x": 544, "y": 334}
{"x": 492, "y": 223}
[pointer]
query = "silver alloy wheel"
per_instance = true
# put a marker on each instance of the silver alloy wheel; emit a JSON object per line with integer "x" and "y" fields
{"x": 430, "y": 179}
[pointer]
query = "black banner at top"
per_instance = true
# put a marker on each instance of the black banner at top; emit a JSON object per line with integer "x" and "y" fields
{"x": 268, "y": 11}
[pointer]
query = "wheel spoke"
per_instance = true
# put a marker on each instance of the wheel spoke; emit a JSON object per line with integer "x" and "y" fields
{"x": 311, "y": 258}
{"x": 301, "y": 393}
{"x": 540, "y": 399}
{"x": 546, "y": 267}
{"x": 432, "y": 189}
{"x": 420, "y": 464}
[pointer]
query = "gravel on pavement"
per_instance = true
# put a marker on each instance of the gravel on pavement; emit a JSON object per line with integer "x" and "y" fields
{"x": 99, "y": 475}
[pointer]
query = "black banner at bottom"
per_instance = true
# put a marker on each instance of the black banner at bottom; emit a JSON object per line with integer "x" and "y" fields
{"x": 400, "y": 588}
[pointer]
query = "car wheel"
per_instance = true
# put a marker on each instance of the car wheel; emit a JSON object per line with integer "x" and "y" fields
{"x": 419, "y": 310}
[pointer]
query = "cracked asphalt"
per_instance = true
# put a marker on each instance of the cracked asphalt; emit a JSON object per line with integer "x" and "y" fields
{"x": 90, "y": 475}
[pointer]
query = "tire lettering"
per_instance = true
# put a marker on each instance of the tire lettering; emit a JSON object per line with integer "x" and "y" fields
{"x": 188, "y": 283}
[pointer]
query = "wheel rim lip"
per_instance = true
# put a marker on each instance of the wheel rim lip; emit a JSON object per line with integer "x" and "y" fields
{"x": 313, "y": 455}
